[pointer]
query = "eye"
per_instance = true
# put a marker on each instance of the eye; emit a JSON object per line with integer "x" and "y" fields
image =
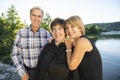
{"x": 66, "y": 27}
{"x": 53, "y": 29}
{"x": 72, "y": 26}
{"x": 60, "y": 28}
{"x": 33, "y": 15}
{"x": 39, "y": 16}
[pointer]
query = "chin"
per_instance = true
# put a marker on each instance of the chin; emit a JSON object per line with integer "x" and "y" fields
{"x": 71, "y": 36}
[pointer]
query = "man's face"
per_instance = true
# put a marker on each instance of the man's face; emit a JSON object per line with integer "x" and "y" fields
{"x": 36, "y": 18}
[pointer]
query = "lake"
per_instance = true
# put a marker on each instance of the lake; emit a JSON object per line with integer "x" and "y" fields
{"x": 110, "y": 53}
{"x": 111, "y": 32}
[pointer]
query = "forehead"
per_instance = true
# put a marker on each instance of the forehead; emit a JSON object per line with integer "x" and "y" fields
{"x": 57, "y": 26}
{"x": 36, "y": 11}
{"x": 69, "y": 24}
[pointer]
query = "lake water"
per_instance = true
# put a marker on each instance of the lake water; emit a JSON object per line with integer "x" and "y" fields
{"x": 111, "y": 32}
{"x": 110, "y": 53}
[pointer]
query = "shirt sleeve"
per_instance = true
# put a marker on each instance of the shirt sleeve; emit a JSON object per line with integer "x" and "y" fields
{"x": 49, "y": 36}
{"x": 17, "y": 56}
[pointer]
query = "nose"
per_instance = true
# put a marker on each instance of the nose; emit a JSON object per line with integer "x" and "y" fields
{"x": 57, "y": 31}
{"x": 68, "y": 29}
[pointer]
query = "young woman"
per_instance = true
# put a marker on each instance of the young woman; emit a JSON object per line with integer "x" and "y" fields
{"x": 82, "y": 54}
{"x": 52, "y": 64}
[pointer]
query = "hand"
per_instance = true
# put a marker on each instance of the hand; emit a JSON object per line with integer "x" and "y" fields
{"x": 25, "y": 77}
{"x": 69, "y": 43}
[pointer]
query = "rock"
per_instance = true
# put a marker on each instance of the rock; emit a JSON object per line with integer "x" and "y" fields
{"x": 2, "y": 77}
{"x": 8, "y": 72}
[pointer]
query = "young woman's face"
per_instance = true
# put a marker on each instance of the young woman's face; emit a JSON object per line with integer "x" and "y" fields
{"x": 58, "y": 33}
{"x": 73, "y": 31}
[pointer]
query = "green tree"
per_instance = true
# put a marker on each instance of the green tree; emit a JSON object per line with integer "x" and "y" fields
{"x": 46, "y": 21}
{"x": 9, "y": 26}
{"x": 93, "y": 29}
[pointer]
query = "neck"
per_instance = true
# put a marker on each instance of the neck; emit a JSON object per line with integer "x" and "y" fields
{"x": 35, "y": 29}
{"x": 75, "y": 40}
{"x": 58, "y": 42}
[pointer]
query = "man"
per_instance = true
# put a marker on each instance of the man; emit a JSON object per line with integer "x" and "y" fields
{"x": 28, "y": 44}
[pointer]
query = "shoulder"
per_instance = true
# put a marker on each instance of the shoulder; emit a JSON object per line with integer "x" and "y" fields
{"x": 42, "y": 29}
{"x": 83, "y": 40}
{"x": 85, "y": 43}
{"x": 48, "y": 45}
{"x": 24, "y": 29}
{"x": 46, "y": 33}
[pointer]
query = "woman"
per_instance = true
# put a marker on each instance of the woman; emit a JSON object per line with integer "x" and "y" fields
{"x": 85, "y": 57}
{"x": 52, "y": 64}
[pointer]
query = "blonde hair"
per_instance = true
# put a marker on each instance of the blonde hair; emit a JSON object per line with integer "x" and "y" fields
{"x": 36, "y": 7}
{"x": 76, "y": 21}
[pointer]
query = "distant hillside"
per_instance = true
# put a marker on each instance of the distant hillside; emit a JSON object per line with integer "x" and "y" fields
{"x": 114, "y": 26}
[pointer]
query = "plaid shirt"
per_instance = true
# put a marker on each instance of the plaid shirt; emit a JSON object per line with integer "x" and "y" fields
{"x": 27, "y": 48}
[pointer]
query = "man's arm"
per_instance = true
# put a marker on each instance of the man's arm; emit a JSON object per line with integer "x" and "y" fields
{"x": 17, "y": 56}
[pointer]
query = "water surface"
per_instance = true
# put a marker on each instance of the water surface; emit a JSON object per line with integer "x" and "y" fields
{"x": 110, "y": 53}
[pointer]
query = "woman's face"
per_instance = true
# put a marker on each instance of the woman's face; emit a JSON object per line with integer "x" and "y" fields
{"x": 58, "y": 33}
{"x": 73, "y": 31}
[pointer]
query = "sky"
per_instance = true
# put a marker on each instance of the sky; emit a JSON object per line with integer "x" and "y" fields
{"x": 91, "y": 11}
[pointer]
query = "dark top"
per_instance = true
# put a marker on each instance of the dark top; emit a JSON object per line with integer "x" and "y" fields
{"x": 52, "y": 63}
{"x": 90, "y": 67}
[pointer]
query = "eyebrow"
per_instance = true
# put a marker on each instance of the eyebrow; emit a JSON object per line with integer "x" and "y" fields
{"x": 36, "y": 15}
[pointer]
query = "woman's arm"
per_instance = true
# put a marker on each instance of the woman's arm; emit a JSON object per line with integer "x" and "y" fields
{"x": 81, "y": 46}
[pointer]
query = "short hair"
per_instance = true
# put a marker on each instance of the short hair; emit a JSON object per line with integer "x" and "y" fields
{"x": 77, "y": 22}
{"x": 37, "y": 7}
{"x": 57, "y": 21}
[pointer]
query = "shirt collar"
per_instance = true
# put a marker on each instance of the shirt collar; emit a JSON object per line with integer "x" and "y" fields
{"x": 53, "y": 43}
{"x": 30, "y": 28}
